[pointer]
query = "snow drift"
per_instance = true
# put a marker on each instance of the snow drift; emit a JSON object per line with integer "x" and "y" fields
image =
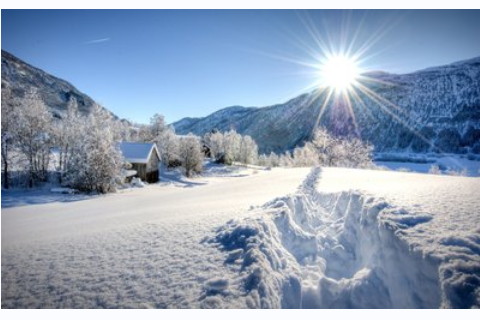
{"x": 345, "y": 250}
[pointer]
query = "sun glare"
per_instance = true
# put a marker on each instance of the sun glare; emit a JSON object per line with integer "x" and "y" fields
{"x": 339, "y": 73}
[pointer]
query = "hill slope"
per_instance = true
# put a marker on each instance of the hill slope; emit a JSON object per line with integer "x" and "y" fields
{"x": 20, "y": 78}
{"x": 441, "y": 105}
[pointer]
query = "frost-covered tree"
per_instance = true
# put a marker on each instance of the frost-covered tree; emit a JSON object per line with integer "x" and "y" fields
{"x": 273, "y": 160}
{"x": 263, "y": 160}
{"x": 169, "y": 148}
{"x": 231, "y": 147}
{"x": 33, "y": 134}
{"x": 163, "y": 136}
{"x": 305, "y": 156}
{"x": 141, "y": 133}
{"x": 123, "y": 130}
{"x": 215, "y": 143}
{"x": 190, "y": 154}
{"x": 157, "y": 126}
{"x": 231, "y": 144}
{"x": 95, "y": 162}
{"x": 248, "y": 152}
{"x": 346, "y": 151}
{"x": 434, "y": 169}
{"x": 286, "y": 160}
{"x": 7, "y": 135}
{"x": 359, "y": 153}
{"x": 66, "y": 133}
{"x": 323, "y": 145}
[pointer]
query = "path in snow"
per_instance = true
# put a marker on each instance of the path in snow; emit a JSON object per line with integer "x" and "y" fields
{"x": 402, "y": 240}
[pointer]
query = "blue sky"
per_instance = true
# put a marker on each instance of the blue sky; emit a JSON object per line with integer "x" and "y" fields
{"x": 193, "y": 62}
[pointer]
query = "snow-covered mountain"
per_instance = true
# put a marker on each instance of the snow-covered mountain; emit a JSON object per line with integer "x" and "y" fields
{"x": 20, "y": 78}
{"x": 435, "y": 109}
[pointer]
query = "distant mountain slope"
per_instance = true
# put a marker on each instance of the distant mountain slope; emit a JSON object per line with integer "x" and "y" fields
{"x": 19, "y": 78}
{"x": 436, "y": 109}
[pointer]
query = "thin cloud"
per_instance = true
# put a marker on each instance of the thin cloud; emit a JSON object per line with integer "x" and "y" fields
{"x": 97, "y": 41}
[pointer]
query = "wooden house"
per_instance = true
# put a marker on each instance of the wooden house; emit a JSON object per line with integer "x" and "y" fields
{"x": 145, "y": 159}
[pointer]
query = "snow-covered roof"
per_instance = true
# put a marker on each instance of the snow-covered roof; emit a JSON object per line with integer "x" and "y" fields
{"x": 137, "y": 152}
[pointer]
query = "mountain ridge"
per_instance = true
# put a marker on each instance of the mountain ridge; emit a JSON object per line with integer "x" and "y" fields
{"x": 433, "y": 109}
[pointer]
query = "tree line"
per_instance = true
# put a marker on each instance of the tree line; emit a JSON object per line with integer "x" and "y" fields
{"x": 81, "y": 150}
{"x": 87, "y": 156}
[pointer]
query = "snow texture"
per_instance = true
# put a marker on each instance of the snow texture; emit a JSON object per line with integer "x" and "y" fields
{"x": 347, "y": 249}
{"x": 346, "y": 238}
{"x": 139, "y": 247}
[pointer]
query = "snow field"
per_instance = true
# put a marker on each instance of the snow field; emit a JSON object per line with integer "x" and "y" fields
{"x": 140, "y": 248}
{"x": 346, "y": 249}
{"x": 346, "y": 238}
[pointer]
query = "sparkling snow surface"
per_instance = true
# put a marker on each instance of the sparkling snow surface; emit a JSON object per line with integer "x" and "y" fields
{"x": 285, "y": 238}
{"x": 137, "y": 248}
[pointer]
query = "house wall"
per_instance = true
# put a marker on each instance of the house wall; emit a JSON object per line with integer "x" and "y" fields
{"x": 148, "y": 172}
{"x": 152, "y": 168}
{"x": 141, "y": 169}
{"x": 152, "y": 164}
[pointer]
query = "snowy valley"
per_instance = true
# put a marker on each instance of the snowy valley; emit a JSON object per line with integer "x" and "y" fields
{"x": 428, "y": 110}
{"x": 284, "y": 213}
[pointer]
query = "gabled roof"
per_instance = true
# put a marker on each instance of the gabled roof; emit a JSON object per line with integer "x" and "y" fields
{"x": 137, "y": 152}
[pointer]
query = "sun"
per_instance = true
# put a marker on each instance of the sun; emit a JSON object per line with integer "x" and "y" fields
{"x": 339, "y": 73}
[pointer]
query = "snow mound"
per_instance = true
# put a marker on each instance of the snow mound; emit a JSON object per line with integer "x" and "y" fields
{"x": 265, "y": 268}
{"x": 137, "y": 182}
{"x": 347, "y": 250}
